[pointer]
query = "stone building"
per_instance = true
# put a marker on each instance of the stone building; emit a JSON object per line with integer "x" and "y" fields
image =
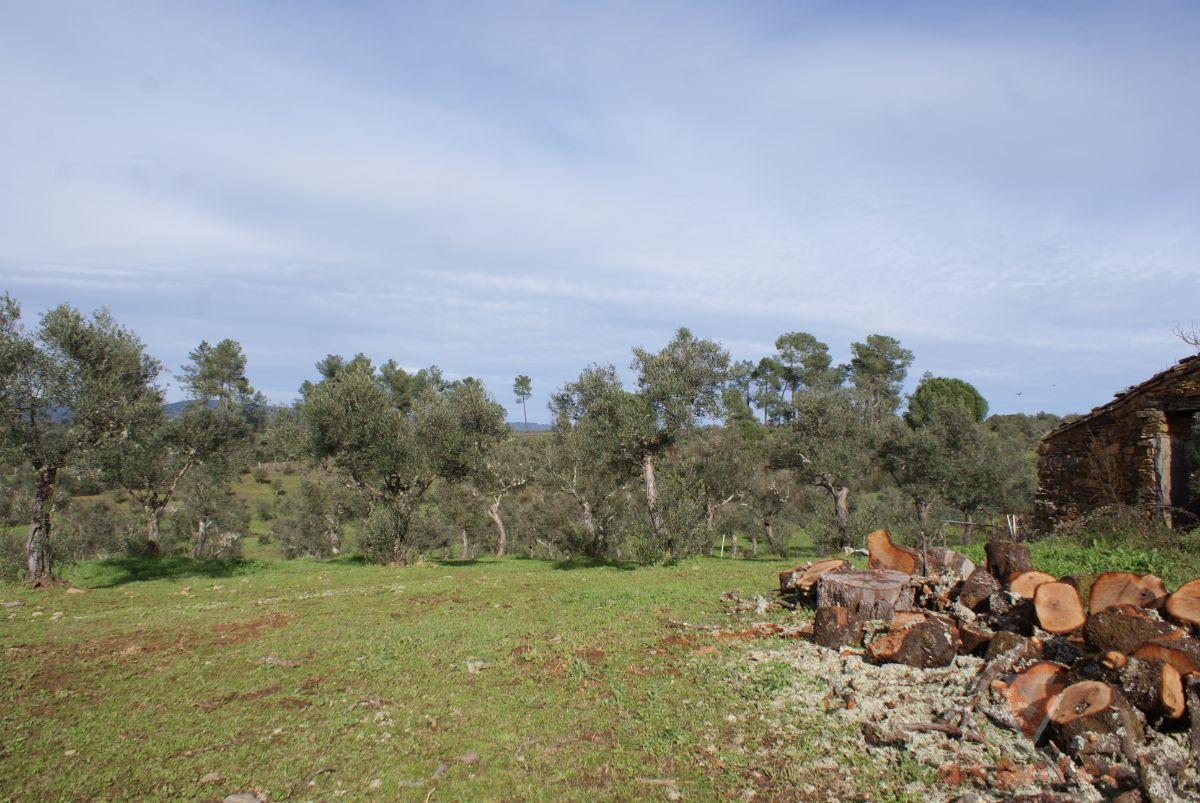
{"x": 1135, "y": 450}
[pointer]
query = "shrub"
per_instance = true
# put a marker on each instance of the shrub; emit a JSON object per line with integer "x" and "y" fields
{"x": 260, "y": 475}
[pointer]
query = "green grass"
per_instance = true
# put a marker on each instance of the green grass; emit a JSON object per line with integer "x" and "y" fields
{"x": 155, "y": 678}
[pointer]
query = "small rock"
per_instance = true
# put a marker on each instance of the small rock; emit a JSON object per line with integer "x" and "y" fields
{"x": 469, "y": 757}
{"x": 475, "y": 667}
{"x": 11, "y": 603}
{"x": 211, "y": 777}
{"x": 243, "y": 797}
{"x": 69, "y": 752}
{"x": 76, "y": 590}
{"x": 54, "y": 617}
{"x": 375, "y": 783}
{"x": 36, "y": 614}
{"x": 441, "y": 770}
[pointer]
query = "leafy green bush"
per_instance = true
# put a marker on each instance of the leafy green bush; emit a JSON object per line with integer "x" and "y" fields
{"x": 260, "y": 475}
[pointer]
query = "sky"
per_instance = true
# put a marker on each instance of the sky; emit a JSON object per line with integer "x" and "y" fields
{"x": 1011, "y": 189}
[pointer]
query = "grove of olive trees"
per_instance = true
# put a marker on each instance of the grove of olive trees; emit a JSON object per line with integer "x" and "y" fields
{"x": 688, "y": 451}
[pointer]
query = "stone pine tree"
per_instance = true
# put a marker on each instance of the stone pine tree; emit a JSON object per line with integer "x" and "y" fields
{"x": 66, "y": 388}
{"x": 876, "y": 370}
{"x": 523, "y": 390}
{"x": 393, "y": 446}
{"x": 804, "y": 364}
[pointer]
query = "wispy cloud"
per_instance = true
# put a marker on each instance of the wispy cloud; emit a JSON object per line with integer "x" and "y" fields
{"x": 502, "y": 189}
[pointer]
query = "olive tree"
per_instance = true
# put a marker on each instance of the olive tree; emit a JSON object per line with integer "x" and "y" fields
{"x": 66, "y": 388}
{"x": 393, "y": 446}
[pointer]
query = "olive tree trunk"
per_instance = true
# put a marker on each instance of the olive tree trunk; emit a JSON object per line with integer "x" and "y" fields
{"x": 501, "y": 532}
{"x": 37, "y": 545}
{"x": 656, "y": 521}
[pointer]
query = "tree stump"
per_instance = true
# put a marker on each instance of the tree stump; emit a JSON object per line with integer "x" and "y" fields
{"x": 883, "y": 553}
{"x": 834, "y": 628}
{"x": 1006, "y": 558}
{"x": 872, "y": 594}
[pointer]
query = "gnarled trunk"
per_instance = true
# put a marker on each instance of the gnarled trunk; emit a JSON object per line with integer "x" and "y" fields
{"x": 37, "y": 545}
{"x": 202, "y": 525}
{"x": 466, "y": 546}
{"x": 153, "y": 540}
{"x": 841, "y": 509}
{"x": 656, "y": 521}
{"x": 501, "y": 533}
{"x": 923, "y": 508}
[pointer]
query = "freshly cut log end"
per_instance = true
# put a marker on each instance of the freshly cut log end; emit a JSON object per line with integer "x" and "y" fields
{"x": 1184, "y": 604}
{"x": 882, "y": 553}
{"x": 1025, "y": 584}
{"x": 1183, "y": 654}
{"x": 1093, "y": 718}
{"x": 1154, "y": 687}
{"x": 1080, "y": 700}
{"x": 1006, "y": 558}
{"x": 834, "y": 628}
{"x": 1126, "y": 588}
{"x": 1124, "y": 628}
{"x": 867, "y": 594}
{"x": 1058, "y": 608}
{"x": 929, "y": 643}
{"x": 977, "y": 588}
{"x": 1031, "y": 694}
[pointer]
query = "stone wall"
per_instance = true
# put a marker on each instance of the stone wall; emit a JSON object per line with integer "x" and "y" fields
{"x": 1131, "y": 451}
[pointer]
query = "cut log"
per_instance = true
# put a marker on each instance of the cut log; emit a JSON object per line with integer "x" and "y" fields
{"x": 866, "y": 594}
{"x": 1184, "y": 604}
{"x": 1031, "y": 693}
{"x": 1009, "y": 612}
{"x": 882, "y": 553}
{"x": 1105, "y": 667}
{"x": 1025, "y": 584}
{"x": 1154, "y": 687}
{"x": 974, "y": 637}
{"x": 834, "y": 628}
{"x": 1126, "y": 588}
{"x": 1006, "y": 558}
{"x": 1093, "y": 718}
{"x": 932, "y": 642}
{"x": 1183, "y": 654}
{"x": 942, "y": 560}
{"x": 976, "y": 589}
{"x": 1124, "y": 628}
{"x": 809, "y": 577}
{"x": 1058, "y": 608}
{"x": 1007, "y": 641}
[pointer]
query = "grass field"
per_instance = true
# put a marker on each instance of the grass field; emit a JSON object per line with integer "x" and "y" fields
{"x": 509, "y": 679}
{"x": 495, "y": 679}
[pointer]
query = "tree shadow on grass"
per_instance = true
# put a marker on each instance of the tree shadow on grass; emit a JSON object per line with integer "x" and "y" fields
{"x": 584, "y": 562}
{"x": 135, "y": 569}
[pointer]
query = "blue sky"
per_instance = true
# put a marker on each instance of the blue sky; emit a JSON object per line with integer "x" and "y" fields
{"x": 1013, "y": 190}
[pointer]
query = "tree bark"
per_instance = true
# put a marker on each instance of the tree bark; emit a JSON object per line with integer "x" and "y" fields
{"x": 501, "y": 533}
{"x": 923, "y": 513}
{"x": 656, "y": 521}
{"x": 153, "y": 540}
{"x": 466, "y": 547}
{"x": 841, "y": 508}
{"x": 769, "y": 526}
{"x": 37, "y": 545}
{"x": 202, "y": 525}
{"x": 969, "y": 530}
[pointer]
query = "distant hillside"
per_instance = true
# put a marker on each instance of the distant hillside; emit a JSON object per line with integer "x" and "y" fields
{"x": 519, "y": 426}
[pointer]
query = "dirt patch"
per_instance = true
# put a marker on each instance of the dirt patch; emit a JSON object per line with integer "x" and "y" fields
{"x": 592, "y": 655}
{"x": 238, "y": 632}
{"x": 217, "y": 702}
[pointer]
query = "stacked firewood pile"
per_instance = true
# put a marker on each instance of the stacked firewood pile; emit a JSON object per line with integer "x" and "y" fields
{"x": 1091, "y": 667}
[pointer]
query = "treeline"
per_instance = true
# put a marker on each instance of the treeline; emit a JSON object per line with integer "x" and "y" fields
{"x": 701, "y": 454}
